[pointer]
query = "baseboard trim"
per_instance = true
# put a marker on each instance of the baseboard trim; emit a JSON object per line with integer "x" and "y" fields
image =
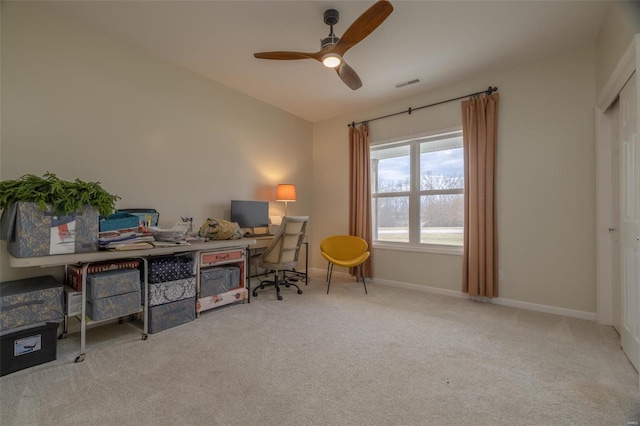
{"x": 572, "y": 313}
{"x": 591, "y": 316}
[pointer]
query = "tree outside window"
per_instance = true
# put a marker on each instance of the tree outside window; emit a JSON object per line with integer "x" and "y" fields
{"x": 418, "y": 191}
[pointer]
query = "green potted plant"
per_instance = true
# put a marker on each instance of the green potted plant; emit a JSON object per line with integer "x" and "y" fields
{"x": 47, "y": 215}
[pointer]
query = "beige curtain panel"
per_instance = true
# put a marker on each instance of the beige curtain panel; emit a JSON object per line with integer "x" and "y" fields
{"x": 360, "y": 222}
{"x": 480, "y": 260}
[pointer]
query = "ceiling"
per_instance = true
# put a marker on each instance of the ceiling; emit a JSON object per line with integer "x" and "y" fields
{"x": 438, "y": 42}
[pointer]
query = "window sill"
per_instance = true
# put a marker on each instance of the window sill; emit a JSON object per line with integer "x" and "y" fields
{"x": 424, "y": 248}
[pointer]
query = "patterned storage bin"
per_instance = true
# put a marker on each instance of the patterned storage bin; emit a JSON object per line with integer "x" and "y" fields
{"x": 114, "y": 306}
{"x": 31, "y": 232}
{"x": 170, "y": 268}
{"x": 110, "y": 283}
{"x": 171, "y": 291}
{"x": 30, "y": 301}
{"x": 74, "y": 272}
{"x": 172, "y": 314}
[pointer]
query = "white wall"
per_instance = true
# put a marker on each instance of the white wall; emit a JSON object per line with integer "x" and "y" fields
{"x": 81, "y": 105}
{"x": 546, "y": 195}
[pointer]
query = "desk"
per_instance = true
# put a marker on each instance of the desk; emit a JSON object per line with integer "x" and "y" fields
{"x": 263, "y": 242}
{"x": 98, "y": 256}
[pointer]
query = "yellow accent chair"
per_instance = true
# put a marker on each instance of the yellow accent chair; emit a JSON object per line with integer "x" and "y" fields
{"x": 347, "y": 251}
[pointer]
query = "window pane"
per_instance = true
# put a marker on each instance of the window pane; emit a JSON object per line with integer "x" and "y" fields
{"x": 441, "y": 169}
{"x": 391, "y": 218}
{"x": 442, "y": 219}
{"x": 391, "y": 169}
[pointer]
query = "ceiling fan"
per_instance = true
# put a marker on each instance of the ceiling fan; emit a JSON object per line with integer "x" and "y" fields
{"x": 332, "y": 48}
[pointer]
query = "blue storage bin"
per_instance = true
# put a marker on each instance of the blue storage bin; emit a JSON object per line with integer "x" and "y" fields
{"x": 118, "y": 221}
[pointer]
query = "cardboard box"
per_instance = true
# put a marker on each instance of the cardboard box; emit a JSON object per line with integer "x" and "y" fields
{"x": 26, "y": 348}
{"x": 30, "y": 232}
{"x": 73, "y": 301}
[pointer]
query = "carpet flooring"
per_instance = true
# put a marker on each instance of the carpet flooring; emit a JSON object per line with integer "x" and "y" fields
{"x": 392, "y": 357}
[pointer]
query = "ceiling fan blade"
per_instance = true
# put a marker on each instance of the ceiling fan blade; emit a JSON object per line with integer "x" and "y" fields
{"x": 363, "y": 26}
{"x": 349, "y": 76}
{"x": 284, "y": 56}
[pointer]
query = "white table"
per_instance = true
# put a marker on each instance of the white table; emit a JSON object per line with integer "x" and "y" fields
{"x": 100, "y": 256}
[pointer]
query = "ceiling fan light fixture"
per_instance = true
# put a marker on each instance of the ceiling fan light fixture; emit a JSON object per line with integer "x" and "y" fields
{"x": 331, "y": 60}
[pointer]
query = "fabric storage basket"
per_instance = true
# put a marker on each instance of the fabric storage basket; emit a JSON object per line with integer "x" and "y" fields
{"x": 119, "y": 221}
{"x": 74, "y": 272}
{"x": 169, "y": 268}
{"x": 218, "y": 280}
{"x": 234, "y": 276}
{"x": 30, "y": 232}
{"x": 30, "y": 301}
{"x": 172, "y": 314}
{"x": 114, "y": 306}
{"x": 171, "y": 291}
{"x": 109, "y": 283}
{"x": 213, "y": 281}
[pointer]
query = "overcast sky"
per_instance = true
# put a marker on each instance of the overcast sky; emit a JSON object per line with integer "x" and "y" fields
{"x": 446, "y": 162}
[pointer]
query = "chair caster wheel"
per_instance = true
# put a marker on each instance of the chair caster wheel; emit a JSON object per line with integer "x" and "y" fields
{"x": 299, "y": 291}
{"x": 255, "y": 294}
{"x": 279, "y": 297}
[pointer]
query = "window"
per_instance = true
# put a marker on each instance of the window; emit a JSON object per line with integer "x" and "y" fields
{"x": 417, "y": 191}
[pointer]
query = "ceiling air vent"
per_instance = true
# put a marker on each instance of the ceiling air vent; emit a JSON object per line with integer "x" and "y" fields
{"x": 406, "y": 83}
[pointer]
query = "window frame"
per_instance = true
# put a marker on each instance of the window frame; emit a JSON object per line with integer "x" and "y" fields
{"x": 414, "y": 194}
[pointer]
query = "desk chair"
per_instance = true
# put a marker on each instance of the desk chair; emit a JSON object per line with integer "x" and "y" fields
{"x": 347, "y": 251}
{"x": 282, "y": 253}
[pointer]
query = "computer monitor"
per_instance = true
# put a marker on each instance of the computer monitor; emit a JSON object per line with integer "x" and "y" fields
{"x": 251, "y": 215}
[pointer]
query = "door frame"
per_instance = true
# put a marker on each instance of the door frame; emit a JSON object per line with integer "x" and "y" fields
{"x": 604, "y": 175}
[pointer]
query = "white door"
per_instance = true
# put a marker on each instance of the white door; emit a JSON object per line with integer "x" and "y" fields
{"x": 630, "y": 223}
{"x": 614, "y": 227}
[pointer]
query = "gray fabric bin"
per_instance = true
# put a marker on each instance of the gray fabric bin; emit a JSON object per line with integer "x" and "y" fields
{"x": 218, "y": 280}
{"x": 114, "y": 306}
{"x": 113, "y": 282}
{"x": 30, "y": 301}
{"x": 172, "y": 314}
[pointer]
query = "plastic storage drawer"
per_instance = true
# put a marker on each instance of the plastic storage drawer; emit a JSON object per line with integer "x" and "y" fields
{"x": 28, "y": 347}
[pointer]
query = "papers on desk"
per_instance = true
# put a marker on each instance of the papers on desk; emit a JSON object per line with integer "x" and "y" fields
{"x": 125, "y": 241}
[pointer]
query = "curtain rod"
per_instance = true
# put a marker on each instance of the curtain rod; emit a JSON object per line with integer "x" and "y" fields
{"x": 489, "y": 91}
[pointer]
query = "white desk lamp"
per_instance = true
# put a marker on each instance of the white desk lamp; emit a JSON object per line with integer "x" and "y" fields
{"x": 286, "y": 192}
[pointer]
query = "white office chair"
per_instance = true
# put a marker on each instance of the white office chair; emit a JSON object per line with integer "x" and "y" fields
{"x": 282, "y": 254}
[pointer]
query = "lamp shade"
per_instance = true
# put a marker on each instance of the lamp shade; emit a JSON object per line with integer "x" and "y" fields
{"x": 286, "y": 192}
